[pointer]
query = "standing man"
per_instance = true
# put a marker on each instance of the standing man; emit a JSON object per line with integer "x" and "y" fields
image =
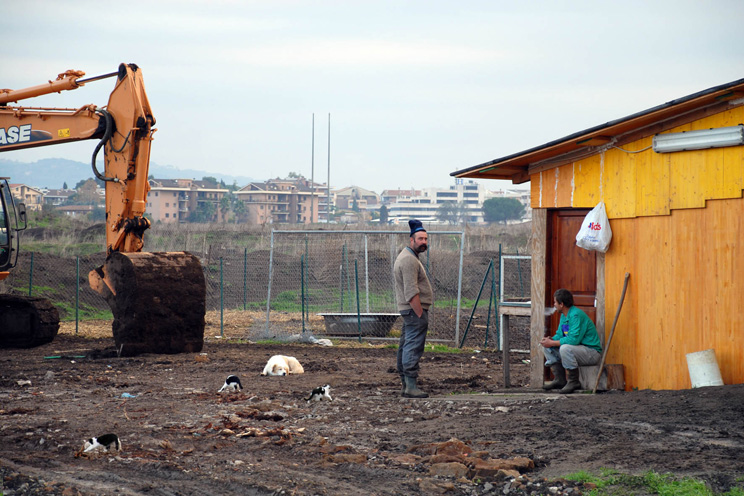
{"x": 575, "y": 343}
{"x": 413, "y": 296}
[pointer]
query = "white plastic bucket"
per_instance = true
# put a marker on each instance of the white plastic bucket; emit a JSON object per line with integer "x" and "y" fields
{"x": 704, "y": 369}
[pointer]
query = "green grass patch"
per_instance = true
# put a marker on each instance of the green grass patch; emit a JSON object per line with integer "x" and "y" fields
{"x": 611, "y": 483}
{"x": 271, "y": 341}
{"x": 433, "y": 348}
{"x": 85, "y": 312}
{"x": 465, "y": 303}
{"x": 443, "y": 348}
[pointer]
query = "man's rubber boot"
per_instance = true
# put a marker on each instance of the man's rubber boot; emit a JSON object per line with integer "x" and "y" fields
{"x": 559, "y": 374}
{"x": 573, "y": 382}
{"x": 412, "y": 390}
{"x": 403, "y": 381}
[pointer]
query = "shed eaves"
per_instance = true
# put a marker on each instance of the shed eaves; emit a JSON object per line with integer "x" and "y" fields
{"x": 517, "y": 167}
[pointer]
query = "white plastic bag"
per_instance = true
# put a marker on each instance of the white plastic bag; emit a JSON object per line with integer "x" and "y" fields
{"x": 595, "y": 233}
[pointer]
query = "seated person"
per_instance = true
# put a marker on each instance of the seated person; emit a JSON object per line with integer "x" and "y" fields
{"x": 575, "y": 343}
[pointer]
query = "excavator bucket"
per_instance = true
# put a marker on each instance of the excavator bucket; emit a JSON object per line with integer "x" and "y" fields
{"x": 26, "y": 322}
{"x": 158, "y": 301}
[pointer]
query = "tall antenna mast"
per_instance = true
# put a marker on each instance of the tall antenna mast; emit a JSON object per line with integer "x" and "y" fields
{"x": 328, "y": 193}
{"x": 312, "y": 173}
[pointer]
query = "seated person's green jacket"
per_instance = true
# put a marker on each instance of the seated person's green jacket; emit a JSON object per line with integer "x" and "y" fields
{"x": 577, "y": 328}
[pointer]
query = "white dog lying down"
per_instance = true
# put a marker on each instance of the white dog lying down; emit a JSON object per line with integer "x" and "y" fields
{"x": 282, "y": 365}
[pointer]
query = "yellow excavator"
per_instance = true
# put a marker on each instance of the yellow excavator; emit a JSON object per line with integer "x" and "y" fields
{"x": 158, "y": 300}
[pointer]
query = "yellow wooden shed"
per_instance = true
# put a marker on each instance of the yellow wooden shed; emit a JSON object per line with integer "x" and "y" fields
{"x": 672, "y": 186}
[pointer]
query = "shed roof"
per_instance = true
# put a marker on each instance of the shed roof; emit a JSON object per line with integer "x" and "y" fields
{"x": 519, "y": 166}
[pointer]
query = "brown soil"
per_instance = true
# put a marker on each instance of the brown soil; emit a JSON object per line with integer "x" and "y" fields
{"x": 181, "y": 437}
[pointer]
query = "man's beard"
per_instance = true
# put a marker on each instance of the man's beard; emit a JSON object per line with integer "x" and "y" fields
{"x": 421, "y": 249}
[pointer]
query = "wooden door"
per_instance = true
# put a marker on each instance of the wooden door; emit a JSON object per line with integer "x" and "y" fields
{"x": 567, "y": 265}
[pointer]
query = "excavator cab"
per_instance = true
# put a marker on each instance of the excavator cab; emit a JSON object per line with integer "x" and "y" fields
{"x": 25, "y": 321}
{"x": 12, "y": 220}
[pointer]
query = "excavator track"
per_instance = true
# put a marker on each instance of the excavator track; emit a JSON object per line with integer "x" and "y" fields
{"x": 158, "y": 301}
{"x": 27, "y": 322}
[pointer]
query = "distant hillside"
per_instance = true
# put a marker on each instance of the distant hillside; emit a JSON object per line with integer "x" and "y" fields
{"x": 54, "y": 172}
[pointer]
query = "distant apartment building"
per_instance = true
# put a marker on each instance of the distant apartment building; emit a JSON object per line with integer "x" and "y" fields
{"x": 324, "y": 205}
{"x": 390, "y": 196}
{"x": 57, "y": 196}
{"x": 424, "y": 204}
{"x": 354, "y": 204}
{"x": 174, "y": 200}
{"x": 364, "y": 199}
{"x": 75, "y": 210}
{"x": 289, "y": 201}
{"x": 32, "y": 197}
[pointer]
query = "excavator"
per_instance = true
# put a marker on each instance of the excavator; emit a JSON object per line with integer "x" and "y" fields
{"x": 158, "y": 300}
{"x": 24, "y": 321}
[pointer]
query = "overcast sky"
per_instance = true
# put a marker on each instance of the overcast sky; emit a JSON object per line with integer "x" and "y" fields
{"x": 416, "y": 89}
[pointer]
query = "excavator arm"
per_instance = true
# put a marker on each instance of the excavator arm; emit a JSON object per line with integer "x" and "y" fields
{"x": 152, "y": 295}
{"x": 124, "y": 127}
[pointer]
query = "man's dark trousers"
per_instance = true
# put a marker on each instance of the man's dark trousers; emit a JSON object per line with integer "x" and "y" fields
{"x": 412, "y": 341}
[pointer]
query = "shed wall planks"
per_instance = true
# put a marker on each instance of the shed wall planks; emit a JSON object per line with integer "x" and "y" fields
{"x": 684, "y": 295}
{"x": 587, "y": 175}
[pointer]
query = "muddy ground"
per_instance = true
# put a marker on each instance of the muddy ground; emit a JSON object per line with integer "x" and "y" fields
{"x": 180, "y": 437}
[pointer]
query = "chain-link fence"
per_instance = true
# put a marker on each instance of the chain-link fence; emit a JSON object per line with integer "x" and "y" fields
{"x": 341, "y": 283}
{"x": 307, "y": 274}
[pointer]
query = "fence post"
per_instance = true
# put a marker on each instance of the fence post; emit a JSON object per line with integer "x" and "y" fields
{"x": 222, "y": 301}
{"x": 459, "y": 289}
{"x": 31, "y": 275}
{"x": 366, "y": 271}
{"x": 306, "y": 266}
{"x": 77, "y": 294}
{"x": 359, "y": 318}
{"x": 302, "y": 290}
{"x": 496, "y": 315}
{"x": 271, "y": 275}
{"x": 348, "y": 275}
{"x": 341, "y": 285}
{"x": 245, "y": 279}
{"x": 519, "y": 270}
{"x": 490, "y": 302}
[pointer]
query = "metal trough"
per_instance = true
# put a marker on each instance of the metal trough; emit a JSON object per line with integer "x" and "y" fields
{"x": 348, "y": 324}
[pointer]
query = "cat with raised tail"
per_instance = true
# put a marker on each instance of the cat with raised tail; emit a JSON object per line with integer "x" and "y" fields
{"x": 320, "y": 393}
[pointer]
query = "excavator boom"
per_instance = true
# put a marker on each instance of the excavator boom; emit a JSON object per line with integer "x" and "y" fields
{"x": 158, "y": 299}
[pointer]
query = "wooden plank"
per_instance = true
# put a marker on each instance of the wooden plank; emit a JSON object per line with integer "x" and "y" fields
{"x": 587, "y": 182}
{"x": 505, "y": 348}
{"x": 535, "y": 191}
{"x": 733, "y": 171}
{"x": 599, "y": 319}
{"x": 515, "y": 310}
{"x": 612, "y": 377}
{"x": 537, "y": 320}
{"x": 619, "y": 184}
{"x": 652, "y": 180}
{"x": 565, "y": 186}
{"x": 620, "y": 259}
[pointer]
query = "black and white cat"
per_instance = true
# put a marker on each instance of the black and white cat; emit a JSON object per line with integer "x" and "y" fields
{"x": 320, "y": 393}
{"x": 107, "y": 442}
{"x": 232, "y": 383}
